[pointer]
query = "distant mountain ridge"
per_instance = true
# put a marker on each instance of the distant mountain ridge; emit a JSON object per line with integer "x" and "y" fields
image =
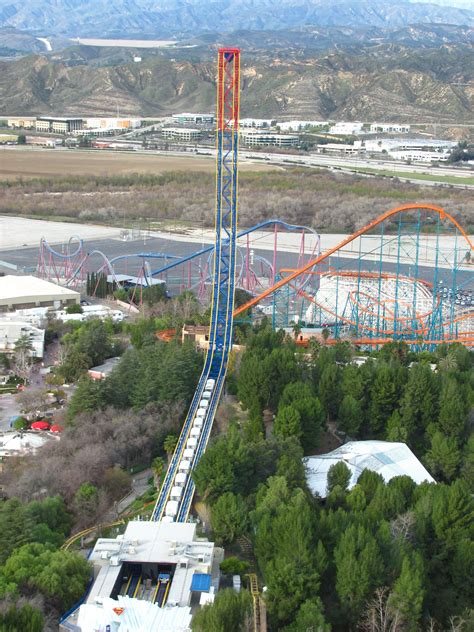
{"x": 178, "y": 18}
{"x": 387, "y": 82}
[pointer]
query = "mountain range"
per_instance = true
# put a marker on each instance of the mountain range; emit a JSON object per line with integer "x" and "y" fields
{"x": 389, "y": 82}
{"x": 178, "y": 18}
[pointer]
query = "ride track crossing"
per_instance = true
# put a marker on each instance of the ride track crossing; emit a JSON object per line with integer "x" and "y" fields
{"x": 221, "y": 324}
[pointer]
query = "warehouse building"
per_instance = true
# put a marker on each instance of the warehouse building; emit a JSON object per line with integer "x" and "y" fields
{"x": 26, "y": 292}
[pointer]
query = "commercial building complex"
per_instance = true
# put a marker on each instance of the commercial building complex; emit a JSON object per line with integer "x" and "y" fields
{"x": 182, "y": 133}
{"x": 187, "y": 117}
{"x": 389, "y": 128}
{"x": 257, "y": 123}
{"x": 21, "y": 122}
{"x": 23, "y": 292}
{"x": 298, "y": 126}
{"x": 59, "y": 124}
{"x": 262, "y": 139}
{"x": 346, "y": 128}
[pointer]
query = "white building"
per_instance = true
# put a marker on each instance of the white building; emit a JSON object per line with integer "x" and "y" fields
{"x": 417, "y": 155}
{"x": 59, "y": 124}
{"x": 147, "y": 579}
{"x": 298, "y": 126}
{"x": 110, "y": 123}
{"x": 389, "y": 128}
{"x": 256, "y": 123}
{"x": 90, "y": 311}
{"x": 188, "y": 117}
{"x": 12, "y": 330}
{"x": 262, "y": 139}
{"x": 346, "y": 128}
{"x": 24, "y": 292}
{"x": 385, "y": 458}
{"x": 337, "y": 148}
{"x": 391, "y": 145}
{"x": 188, "y": 134}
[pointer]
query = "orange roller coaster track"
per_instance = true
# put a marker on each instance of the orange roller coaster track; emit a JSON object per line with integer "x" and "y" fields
{"x": 306, "y": 268}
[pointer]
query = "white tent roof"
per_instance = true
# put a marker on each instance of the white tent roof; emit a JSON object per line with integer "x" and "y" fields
{"x": 383, "y": 457}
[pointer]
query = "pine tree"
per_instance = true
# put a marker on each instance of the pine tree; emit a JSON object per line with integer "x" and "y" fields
{"x": 452, "y": 410}
{"x": 444, "y": 457}
{"x": 287, "y": 422}
{"x": 408, "y": 593}
{"x": 359, "y": 569}
{"x": 383, "y": 399}
{"x": 350, "y": 416}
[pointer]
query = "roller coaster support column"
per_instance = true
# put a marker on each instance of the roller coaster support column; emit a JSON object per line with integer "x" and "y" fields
{"x": 228, "y": 104}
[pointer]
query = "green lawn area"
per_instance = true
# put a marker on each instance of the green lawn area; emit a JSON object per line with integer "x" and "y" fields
{"x": 416, "y": 176}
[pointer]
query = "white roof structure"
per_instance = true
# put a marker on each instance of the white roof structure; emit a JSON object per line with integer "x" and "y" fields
{"x": 29, "y": 291}
{"x": 383, "y": 457}
{"x": 137, "y": 616}
{"x": 16, "y": 443}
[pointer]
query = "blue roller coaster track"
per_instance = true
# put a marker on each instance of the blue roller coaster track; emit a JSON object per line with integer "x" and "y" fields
{"x": 221, "y": 324}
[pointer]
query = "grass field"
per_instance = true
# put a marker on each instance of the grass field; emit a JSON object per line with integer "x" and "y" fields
{"x": 468, "y": 180}
{"x": 38, "y": 163}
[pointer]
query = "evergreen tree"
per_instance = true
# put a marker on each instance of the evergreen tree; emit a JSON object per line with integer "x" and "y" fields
{"x": 229, "y": 518}
{"x": 396, "y": 431}
{"x": 329, "y": 390}
{"x": 288, "y": 423}
{"x": 452, "y": 410}
{"x": 444, "y": 457}
{"x": 359, "y": 569}
{"x": 228, "y": 613}
{"x": 383, "y": 399}
{"x": 419, "y": 404}
{"x": 88, "y": 397}
{"x": 407, "y": 595}
{"x": 310, "y": 616}
{"x": 338, "y": 474}
{"x": 350, "y": 416}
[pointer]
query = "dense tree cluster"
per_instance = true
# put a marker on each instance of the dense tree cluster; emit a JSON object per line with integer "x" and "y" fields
{"x": 32, "y": 565}
{"x": 327, "y": 563}
{"x": 423, "y": 400}
{"x": 378, "y": 557}
{"x": 87, "y": 345}
{"x": 159, "y": 372}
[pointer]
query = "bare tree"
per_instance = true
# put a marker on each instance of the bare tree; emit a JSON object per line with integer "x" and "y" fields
{"x": 379, "y": 616}
{"x": 33, "y": 400}
{"x": 403, "y": 526}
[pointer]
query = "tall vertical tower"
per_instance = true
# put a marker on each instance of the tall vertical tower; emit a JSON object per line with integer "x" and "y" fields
{"x": 227, "y": 128}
